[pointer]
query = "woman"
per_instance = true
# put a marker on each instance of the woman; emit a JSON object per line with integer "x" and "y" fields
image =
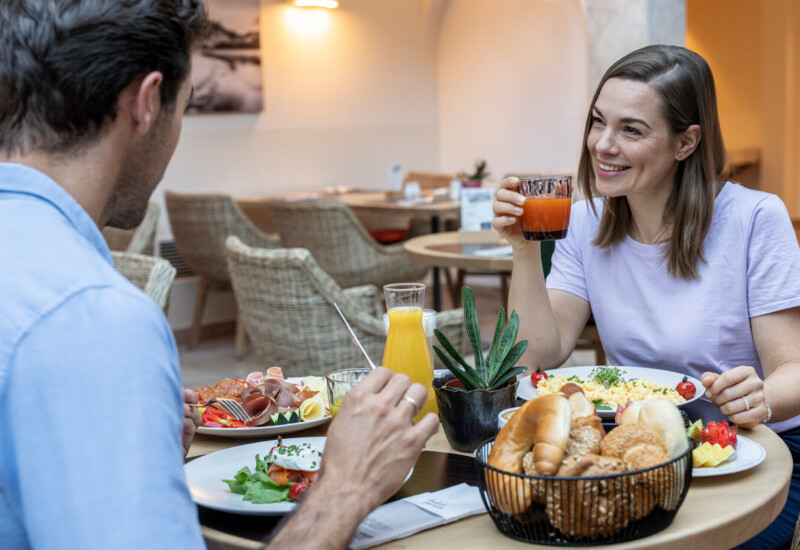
{"x": 681, "y": 269}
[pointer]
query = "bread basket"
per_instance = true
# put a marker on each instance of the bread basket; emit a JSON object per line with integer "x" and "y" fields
{"x": 583, "y": 511}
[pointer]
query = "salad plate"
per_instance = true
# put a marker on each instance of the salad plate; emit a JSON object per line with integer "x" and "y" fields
{"x": 266, "y": 431}
{"x": 526, "y": 391}
{"x": 749, "y": 454}
{"x": 204, "y": 477}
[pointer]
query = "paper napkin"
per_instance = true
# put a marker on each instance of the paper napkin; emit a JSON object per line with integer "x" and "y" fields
{"x": 403, "y": 518}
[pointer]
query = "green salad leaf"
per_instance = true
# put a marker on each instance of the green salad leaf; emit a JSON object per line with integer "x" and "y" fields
{"x": 258, "y": 487}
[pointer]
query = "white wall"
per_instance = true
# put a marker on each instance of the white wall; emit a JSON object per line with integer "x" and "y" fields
{"x": 346, "y": 92}
{"x": 512, "y": 85}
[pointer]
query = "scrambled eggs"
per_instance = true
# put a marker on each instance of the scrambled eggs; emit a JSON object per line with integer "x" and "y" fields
{"x": 617, "y": 393}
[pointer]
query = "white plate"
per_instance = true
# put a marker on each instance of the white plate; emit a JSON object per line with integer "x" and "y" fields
{"x": 204, "y": 476}
{"x": 749, "y": 454}
{"x": 526, "y": 391}
{"x": 262, "y": 431}
{"x": 265, "y": 431}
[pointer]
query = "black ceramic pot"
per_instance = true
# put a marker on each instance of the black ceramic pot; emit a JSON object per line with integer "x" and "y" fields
{"x": 470, "y": 417}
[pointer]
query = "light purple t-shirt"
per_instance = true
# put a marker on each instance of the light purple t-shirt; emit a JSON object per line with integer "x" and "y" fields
{"x": 648, "y": 318}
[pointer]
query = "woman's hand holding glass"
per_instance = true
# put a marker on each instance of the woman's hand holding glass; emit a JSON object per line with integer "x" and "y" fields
{"x": 507, "y": 210}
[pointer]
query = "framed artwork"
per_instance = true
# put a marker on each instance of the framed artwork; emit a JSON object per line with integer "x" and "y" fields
{"x": 226, "y": 67}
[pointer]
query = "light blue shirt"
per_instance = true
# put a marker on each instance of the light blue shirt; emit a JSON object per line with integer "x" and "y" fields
{"x": 90, "y": 393}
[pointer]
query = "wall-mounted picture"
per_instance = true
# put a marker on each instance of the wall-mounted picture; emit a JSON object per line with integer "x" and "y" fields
{"x": 226, "y": 68}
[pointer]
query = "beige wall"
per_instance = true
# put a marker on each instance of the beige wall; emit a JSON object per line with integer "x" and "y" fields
{"x": 346, "y": 92}
{"x": 753, "y": 47}
{"x": 513, "y": 85}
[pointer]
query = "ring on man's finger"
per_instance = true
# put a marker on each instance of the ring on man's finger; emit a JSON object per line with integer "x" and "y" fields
{"x": 413, "y": 403}
{"x": 746, "y": 404}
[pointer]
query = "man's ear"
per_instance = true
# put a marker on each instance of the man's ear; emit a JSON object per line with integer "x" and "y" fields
{"x": 146, "y": 100}
{"x": 689, "y": 141}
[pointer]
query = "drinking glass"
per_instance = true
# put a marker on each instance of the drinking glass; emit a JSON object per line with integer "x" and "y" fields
{"x": 339, "y": 383}
{"x": 407, "y": 348}
{"x": 548, "y": 200}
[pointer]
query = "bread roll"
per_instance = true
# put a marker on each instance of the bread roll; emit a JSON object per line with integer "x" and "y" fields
{"x": 638, "y": 445}
{"x": 541, "y": 424}
{"x": 594, "y": 507}
{"x": 663, "y": 417}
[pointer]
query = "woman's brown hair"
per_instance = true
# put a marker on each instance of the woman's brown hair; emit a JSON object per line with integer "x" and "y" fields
{"x": 684, "y": 82}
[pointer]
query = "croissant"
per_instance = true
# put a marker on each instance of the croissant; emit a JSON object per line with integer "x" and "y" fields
{"x": 543, "y": 424}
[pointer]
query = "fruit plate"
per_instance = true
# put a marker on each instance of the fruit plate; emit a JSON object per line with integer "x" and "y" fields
{"x": 526, "y": 391}
{"x": 749, "y": 454}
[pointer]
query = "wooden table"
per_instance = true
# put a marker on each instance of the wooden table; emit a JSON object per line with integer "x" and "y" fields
{"x": 719, "y": 512}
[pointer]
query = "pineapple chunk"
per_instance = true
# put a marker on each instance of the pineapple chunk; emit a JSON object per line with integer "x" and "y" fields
{"x": 708, "y": 456}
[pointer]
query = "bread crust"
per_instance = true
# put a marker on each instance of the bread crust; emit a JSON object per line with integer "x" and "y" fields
{"x": 541, "y": 424}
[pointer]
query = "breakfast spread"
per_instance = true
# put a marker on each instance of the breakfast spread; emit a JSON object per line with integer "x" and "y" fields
{"x": 268, "y": 398}
{"x": 560, "y": 435}
{"x": 608, "y": 388}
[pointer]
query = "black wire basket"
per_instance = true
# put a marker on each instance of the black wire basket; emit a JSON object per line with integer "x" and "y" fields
{"x": 583, "y": 511}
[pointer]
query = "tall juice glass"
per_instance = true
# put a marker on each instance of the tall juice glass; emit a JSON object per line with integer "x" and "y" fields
{"x": 407, "y": 348}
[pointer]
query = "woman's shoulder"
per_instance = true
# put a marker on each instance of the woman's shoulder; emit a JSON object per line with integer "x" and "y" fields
{"x": 749, "y": 203}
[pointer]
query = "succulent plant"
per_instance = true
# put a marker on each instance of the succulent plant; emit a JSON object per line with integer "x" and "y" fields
{"x": 499, "y": 365}
{"x": 480, "y": 172}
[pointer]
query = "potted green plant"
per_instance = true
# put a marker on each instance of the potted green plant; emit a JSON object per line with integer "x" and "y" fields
{"x": 476, "y": 178}
{"x": 470, "y": 397}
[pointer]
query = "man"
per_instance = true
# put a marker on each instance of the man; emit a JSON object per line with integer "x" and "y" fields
{"x": 91, "y": 101}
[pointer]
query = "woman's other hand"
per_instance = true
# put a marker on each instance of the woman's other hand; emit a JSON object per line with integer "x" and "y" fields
{"x": 191, "y": 419}
{"x": 507, "y": 210}
{"x": 738, "y": 393}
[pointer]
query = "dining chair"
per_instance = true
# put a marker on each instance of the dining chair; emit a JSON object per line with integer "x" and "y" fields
{"x": 152, "y": 275}
{"x": 141, "y": 239}
{"x": 200, "y": 224}
{"x": 429, "y": 180}
{"x": 340, "y": 244}
{"x": 286, "y": 300}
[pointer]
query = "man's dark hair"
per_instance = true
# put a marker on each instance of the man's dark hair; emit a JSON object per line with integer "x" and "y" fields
{"x": 63, "y": 64}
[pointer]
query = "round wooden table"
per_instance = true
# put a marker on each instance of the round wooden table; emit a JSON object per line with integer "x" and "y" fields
{"x": 461, "y": 249}
{"x": 719, "y": 512}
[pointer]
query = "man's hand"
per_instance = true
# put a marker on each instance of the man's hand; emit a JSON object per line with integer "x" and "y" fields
{"x": 372, "y": 444}
{"x": 191, "y": 419}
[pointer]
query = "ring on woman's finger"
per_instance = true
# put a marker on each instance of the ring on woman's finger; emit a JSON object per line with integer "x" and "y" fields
{"x": 746, "y": 404}
{"x": 413, "y": 403}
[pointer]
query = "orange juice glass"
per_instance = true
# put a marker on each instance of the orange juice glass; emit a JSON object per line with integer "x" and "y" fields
{"x": 548, "y": 201}
{"x": 407, "y": 348}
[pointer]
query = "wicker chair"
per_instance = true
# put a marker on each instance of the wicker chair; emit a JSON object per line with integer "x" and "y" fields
{"x": 341, "y": 245}
{"x": 140, "y": 240}
{"x": 200, "y": 224}
{"x": 286, "y": 302}
{"x": 152, "y": 275}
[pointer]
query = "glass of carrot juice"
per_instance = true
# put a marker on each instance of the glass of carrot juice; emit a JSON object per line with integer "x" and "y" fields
{"x": 548, "y": 200}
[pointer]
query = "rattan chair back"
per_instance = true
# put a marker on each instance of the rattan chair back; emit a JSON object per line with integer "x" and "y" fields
{"x": 340, "y": 244}
{"x": 286, "y": 301}
{"x": 200, "y": 225}
{"x": 429, "y": 180}
{"x": 152, "y": 275}
{"x": 140, "y": 240}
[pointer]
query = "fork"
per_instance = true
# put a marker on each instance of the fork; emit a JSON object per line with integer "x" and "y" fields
{"x": 230, "y": 405}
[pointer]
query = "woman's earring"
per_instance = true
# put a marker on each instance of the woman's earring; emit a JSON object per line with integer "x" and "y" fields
{"x": 680, "y": 156}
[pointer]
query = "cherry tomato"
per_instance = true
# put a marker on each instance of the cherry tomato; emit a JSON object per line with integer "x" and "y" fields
{"x": 296, "y": 491}
{"x": 537, "y": 377}
{"x": 685, "y": 388}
